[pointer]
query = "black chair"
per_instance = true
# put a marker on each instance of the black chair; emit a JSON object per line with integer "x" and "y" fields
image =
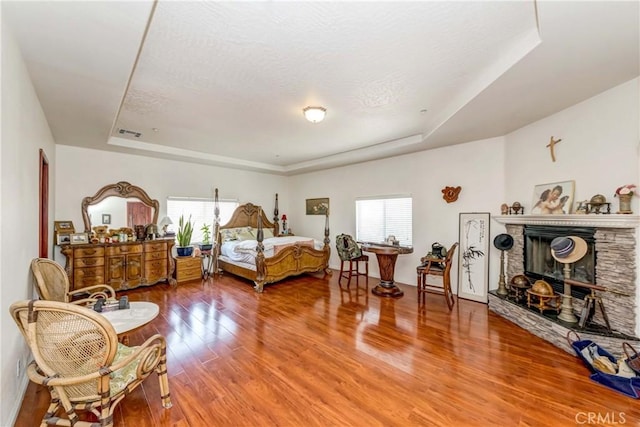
{"x": 350, "y": 252}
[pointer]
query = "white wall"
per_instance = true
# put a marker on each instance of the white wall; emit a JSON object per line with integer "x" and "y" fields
{"x": 477, "y": 167}
{"x": 24, "y": 132}
{"x": 90, "y": 170}
{"x": 599, "y": 149}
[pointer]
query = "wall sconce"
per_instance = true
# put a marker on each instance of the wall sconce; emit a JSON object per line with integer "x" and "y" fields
{"x": 314, "y": 114}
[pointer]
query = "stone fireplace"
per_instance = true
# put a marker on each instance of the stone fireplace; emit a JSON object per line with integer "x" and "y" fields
{"x": 611, "y": 262}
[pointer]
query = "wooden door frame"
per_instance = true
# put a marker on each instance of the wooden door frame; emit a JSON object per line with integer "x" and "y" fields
{"x": 43, "y": 208}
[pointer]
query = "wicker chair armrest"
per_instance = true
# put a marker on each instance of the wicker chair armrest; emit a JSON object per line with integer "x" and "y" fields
{"x": 36, "y": 376}
{"x": 95, "y": 289}
{"x": 143, "y": 351}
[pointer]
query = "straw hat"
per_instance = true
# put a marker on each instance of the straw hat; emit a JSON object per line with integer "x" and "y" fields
{"x": 568, "y": 249}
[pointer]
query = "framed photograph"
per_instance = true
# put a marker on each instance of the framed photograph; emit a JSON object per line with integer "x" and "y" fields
{"x": 473, "y": 257}
{"x": 555, "y": 198}
{"x": 63, "y": 239}
{"x": 318, "y": 206}
{"x": 79, "y": 238}
{"x": 63, "y": 227}
{"x": 106, "y": 218}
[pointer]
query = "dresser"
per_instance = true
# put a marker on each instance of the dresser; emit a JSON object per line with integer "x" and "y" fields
{"x": 122, "y": 266}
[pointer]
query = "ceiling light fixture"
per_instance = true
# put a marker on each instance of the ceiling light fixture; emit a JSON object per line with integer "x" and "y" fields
{"x": 314, "y": 114}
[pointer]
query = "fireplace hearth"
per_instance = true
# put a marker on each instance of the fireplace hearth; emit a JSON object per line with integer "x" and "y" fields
{"x": 610, "y": 262}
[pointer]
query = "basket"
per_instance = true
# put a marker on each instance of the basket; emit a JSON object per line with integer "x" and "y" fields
{"x": 633, "y": 357}
{"x": 588, "y": 351}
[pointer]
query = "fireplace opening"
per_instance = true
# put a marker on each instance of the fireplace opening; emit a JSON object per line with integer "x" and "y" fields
{"x": 540, "y": 264}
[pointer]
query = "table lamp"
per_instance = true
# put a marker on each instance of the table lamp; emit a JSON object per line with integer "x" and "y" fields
{"x": 164, "y": 223}
{"x": 567, "y": 250}
{"x": 284, "y": 224}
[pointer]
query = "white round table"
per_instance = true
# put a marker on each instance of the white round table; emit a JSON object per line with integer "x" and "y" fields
{"x": 140, "y": 313}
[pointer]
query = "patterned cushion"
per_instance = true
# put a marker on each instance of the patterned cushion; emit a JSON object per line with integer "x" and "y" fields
{"x": 347, "y": 247}
{"x": 268, "y": 232}
{"x": 229, "y": 234}
{"x": 124, "y": 376}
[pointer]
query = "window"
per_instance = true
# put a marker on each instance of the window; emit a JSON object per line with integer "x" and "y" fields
{"x": 377, "y": 218}
{"x": 201, "y": 211}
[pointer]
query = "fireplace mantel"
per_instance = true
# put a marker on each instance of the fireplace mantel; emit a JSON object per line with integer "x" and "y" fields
{"x": 600, "y": 221}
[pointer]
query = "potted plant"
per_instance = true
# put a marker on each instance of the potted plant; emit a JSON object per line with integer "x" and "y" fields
{"x": 206, "y": 238}
{"x": 185, "y": 230}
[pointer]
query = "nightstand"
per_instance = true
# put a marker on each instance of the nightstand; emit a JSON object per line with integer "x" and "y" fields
{"x": 188, "y": 268}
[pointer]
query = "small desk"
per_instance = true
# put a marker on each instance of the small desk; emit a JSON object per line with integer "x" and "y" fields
{"x": 140, "y": 313}
{"x": 387, "y": 256}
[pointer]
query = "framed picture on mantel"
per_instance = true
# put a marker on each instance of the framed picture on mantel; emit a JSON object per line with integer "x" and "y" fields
{"x": 555, "y": 198}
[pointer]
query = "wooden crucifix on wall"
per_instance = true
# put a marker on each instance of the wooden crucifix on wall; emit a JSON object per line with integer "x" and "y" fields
{"x": 552, "y": 143}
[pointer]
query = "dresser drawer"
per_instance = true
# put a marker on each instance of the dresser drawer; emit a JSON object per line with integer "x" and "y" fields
{"x": 88, "y": 252}
{"x": 124, "y": 250}
{"x": 157, "y": 267}
{"x": 150, "y": 256}
{"x": 155, "y": 246}
{"x": 88, "y": 262}
{"x": 88, "y": 276}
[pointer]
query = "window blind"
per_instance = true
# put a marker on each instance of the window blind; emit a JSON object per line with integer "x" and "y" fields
{"x": 201, "y": 212}
{"x": 377, "y": 218}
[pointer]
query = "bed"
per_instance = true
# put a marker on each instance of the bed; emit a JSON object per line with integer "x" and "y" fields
{"x": 251, "y": 248}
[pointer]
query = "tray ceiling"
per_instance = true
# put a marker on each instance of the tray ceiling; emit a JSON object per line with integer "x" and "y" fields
{"x": 225, "y": 83}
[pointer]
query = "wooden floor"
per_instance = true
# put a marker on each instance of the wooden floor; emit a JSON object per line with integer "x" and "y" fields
{"x": 305, "y": 353}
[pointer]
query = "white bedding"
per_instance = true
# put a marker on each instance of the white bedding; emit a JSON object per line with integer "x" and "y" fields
{"x": 245, "y": 250}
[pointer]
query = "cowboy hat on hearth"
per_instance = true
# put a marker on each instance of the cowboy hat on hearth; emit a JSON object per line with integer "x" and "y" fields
{"x": 568, "y": 249}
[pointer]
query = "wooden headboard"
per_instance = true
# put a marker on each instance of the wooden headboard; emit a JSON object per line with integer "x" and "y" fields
{"x": 247, "y": 215}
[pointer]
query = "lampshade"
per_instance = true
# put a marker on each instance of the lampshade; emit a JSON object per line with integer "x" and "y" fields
{"x": 314, "y": 114}
{"x": 165, "y": 221}
{"x": 284, "y": 217}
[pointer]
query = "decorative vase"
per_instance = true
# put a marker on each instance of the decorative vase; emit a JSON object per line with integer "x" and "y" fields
{"x": 184, "y": 250}
{"x": 625, "y": 203}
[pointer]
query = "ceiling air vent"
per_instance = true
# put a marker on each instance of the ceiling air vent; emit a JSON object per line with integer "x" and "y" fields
{"x": 129, "y": 132}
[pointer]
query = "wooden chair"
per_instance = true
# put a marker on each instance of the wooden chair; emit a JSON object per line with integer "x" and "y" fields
{"x": 53, "y": 284}
{"x": 439, "y": 267}
{"x": 350, "y": 252}
{"x": 78, "y": 358}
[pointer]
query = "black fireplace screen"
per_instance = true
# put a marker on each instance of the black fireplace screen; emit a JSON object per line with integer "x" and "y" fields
{"x": 539, "y": 264}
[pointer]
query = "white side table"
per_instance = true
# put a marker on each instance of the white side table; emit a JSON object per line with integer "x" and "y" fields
{"x": 139, "y": 314}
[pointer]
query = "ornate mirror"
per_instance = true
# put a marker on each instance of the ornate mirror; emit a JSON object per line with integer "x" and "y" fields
{"x": 119, "y": 205}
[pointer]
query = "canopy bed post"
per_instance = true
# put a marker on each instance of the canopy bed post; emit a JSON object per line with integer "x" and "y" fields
{"x": 216, "y": 231}
{"x": 276, "y": 219}
{"x": 327, "y": 241}
{"x": 260, "y": 267}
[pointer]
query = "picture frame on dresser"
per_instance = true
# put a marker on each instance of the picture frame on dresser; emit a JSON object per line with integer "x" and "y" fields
{"x": 473, "y": 256}
{"x": 63, "y": 239}
{"x": 78, "y": 238}
{"x": 63, "y": 227}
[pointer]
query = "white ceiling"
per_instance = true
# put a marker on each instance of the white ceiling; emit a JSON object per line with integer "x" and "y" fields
{"x": 224, "y": 83}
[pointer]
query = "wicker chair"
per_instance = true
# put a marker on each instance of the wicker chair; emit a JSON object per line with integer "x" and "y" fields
{"x": 436, "y": 267}
{"x": 77, "y": 356}
{"x": 53, "y": 284}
